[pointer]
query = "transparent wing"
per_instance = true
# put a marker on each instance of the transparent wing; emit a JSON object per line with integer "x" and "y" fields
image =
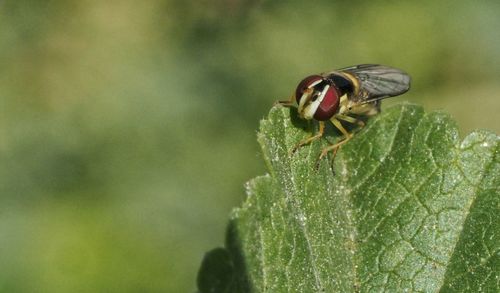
{"x": 378, "y": 81}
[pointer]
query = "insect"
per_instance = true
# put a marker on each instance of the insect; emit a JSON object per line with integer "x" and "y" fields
{"x": 345, "y": 95}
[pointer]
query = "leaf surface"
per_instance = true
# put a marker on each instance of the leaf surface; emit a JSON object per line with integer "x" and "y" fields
{"x": 408, "y": 208}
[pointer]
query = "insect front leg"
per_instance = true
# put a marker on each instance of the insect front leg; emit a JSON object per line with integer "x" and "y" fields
{"x": 287, "y": 103}
{"x": 310, "y": 139}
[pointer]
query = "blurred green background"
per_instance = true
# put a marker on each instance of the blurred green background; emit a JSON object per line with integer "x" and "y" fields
{"x": 127, "y": 128}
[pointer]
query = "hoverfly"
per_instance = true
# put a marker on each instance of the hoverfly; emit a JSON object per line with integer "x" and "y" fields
{"x": 346, "y": 95}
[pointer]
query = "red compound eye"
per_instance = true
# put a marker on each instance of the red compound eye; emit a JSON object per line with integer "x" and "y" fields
{"x": 304, "y": 84}
{"x": 328, "y": 106}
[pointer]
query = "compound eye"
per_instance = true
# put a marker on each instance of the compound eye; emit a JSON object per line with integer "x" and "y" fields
{"x": 308, "y": 82}
{"x": 328, "y": 105}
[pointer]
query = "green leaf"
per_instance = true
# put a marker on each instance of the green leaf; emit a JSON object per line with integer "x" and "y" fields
{"x": 216, "y": 272}
{"x": 408, "y": 208}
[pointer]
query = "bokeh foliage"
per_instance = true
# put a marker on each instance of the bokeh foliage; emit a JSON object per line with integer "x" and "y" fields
{"x": 127, "y": 128}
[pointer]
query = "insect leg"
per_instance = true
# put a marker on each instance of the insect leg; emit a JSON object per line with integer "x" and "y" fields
{"x": 335, "y": 147}
{"x": 339, "y": 126}
{"x": 312, "y": 138}
{"x": 350, "y": 119}
{"x": 287, "y": 103}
